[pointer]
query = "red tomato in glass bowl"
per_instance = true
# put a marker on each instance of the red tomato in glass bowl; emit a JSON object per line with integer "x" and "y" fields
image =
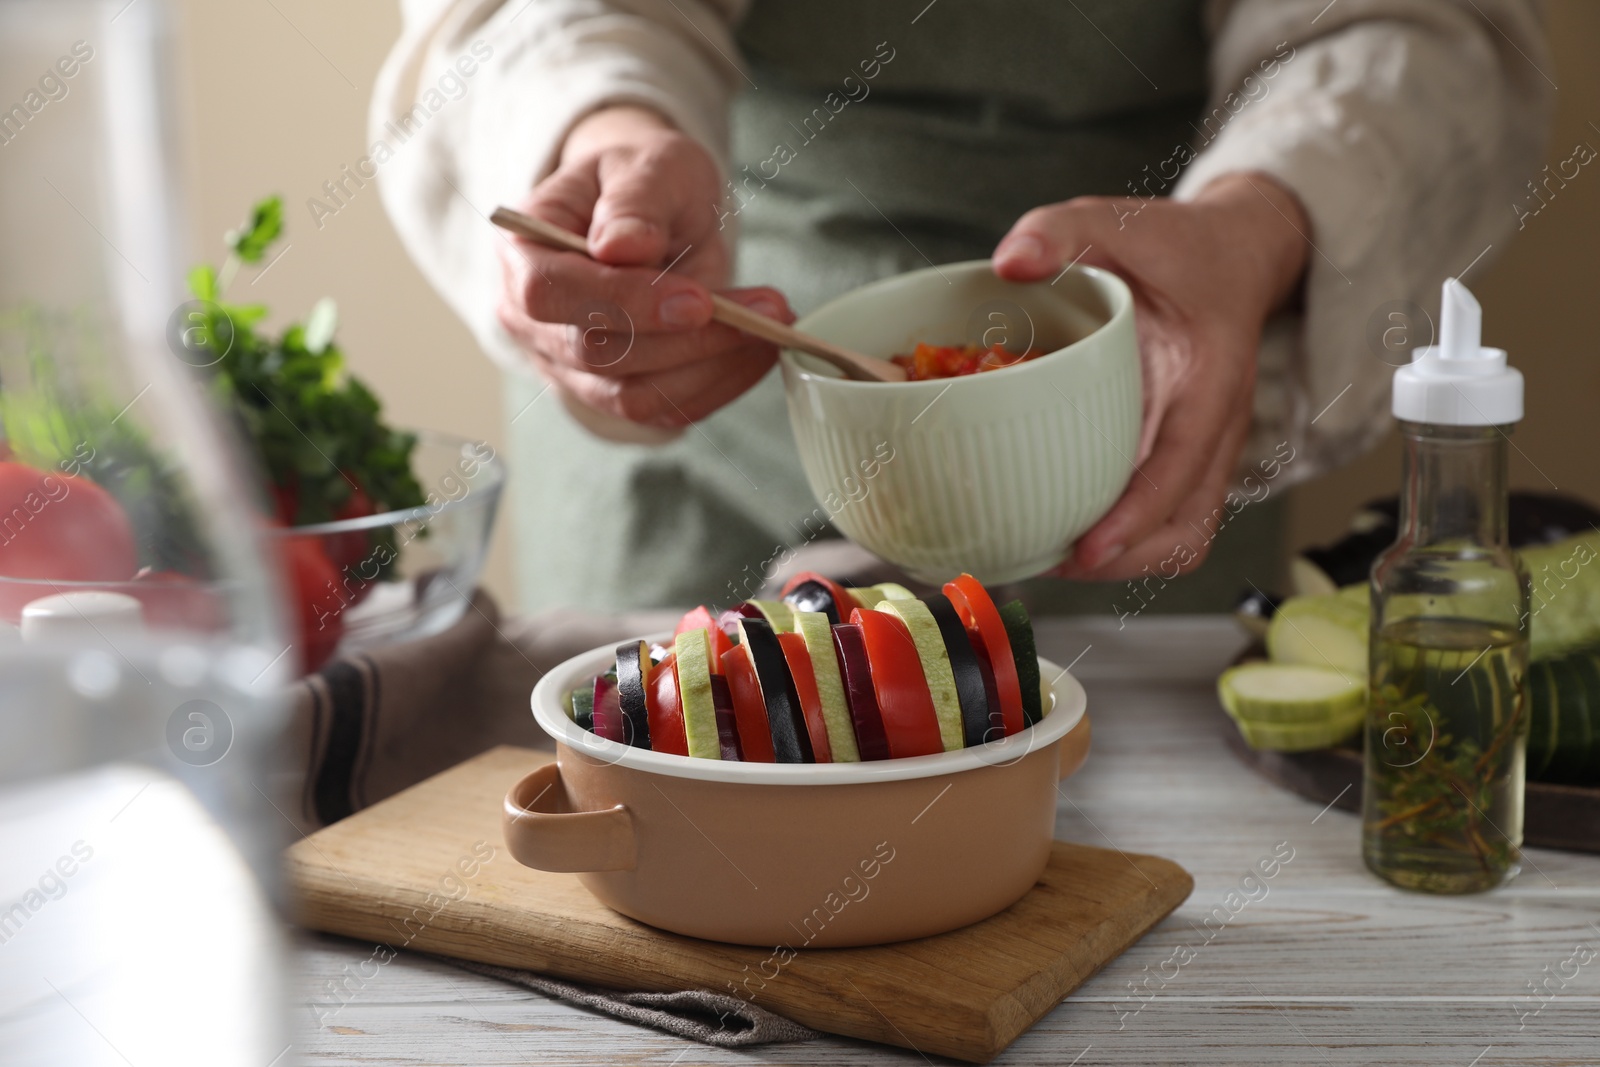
{"x": 348, "y": 549}
{"x": 314, "y": 599}
{"x": 61, "y": 527}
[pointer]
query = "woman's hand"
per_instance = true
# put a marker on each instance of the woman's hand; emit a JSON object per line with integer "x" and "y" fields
{"x": 646, "y": 196}
{"x": 1205, "y": 276}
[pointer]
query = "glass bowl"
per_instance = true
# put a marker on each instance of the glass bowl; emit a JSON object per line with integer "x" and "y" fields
{"x": 414, "y": 570}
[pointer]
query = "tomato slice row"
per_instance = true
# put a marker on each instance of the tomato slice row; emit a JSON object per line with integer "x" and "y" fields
{"x": 918, "y": 677}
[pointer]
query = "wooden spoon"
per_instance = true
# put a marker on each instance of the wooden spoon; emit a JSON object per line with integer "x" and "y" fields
{"x": 853, "y": 364}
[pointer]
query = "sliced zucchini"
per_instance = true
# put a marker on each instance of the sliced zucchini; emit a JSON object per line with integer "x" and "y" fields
{"x": 1019, "y": 630}
{"x": 936, "y": 668}
{"x": 693, "y": 664}
{"x": 1321, "y": 631}
{"x": 779, "y": 615}
{"x": 582, "y": 707}
{"x": 814, "y": 627}
{"x": 873, "y": 595}
{"x": 1301, "y": 736}
{"x": 1287, "y": 693}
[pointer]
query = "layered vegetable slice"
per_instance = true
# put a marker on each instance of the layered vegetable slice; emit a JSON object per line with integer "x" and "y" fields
{"x": 791, "y": 741}
{"x": 633, "y": 679}
{"x": 798, "y": 659}
{"x": 811, "y": 592}
{"x": 866, "y": 718}
{"x": 702, "y": 618}
{"x": 749, "y": 713}
{"x": 982, "y": 619}
{"x": 910, "y": 722}
{"x": 692, "y": 666}
{"x": 971, "y": 692}
{"x": 667, "y": 732}
{"x": 608, "y": 721}
{"x": 1019, "y": 631}
{"x": 873, "y": 595}
{"x": 727, "y": 726}
{"x": 583, "y": 707}
{"x": 814, "y": 628}
{"x": 936, "y": 670}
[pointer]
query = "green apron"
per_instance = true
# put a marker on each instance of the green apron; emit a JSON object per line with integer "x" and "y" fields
{"x": 873, "y": 140}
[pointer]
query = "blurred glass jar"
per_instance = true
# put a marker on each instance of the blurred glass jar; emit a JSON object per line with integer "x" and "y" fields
{"x": 141, "y": 694}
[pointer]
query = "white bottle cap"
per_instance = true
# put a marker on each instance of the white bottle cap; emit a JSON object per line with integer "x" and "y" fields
{"x": 82, "y": 616}
{"x": 1458, "y": 382}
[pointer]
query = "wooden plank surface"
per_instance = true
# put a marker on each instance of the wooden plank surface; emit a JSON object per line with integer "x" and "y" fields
{"x": 1331, "y": 967}
{"x": 393, "y": 873}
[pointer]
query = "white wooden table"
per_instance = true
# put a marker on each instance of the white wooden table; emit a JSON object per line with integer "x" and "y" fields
{"x": 1325, "y": 965}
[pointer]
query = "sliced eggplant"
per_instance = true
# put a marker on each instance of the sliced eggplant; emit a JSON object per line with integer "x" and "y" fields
{"x": 851, "y": 645}
{"x": 970, "y": 691}
{"x": 633, "y": 681}
{"x": 727, "y": 725}
{"x": 813, "y": 597}
{"x": 1019, "y": 629}
{"x": 791, "y": 741}
{"x": 991, "y": 690}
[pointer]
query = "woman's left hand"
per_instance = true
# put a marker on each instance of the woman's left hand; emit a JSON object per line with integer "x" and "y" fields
{"x": 1205, "y": 275}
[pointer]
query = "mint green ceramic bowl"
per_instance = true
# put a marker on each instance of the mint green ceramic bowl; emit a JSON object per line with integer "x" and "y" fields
{"x": 994, "y": 473}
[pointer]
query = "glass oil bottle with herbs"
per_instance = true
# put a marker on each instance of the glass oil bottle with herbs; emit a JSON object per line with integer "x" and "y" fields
{"x": 1447, "y": 715}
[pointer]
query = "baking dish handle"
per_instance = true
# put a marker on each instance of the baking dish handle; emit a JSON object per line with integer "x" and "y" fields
{"x": 1074, "y": 747}
{"x": 571, "y": 842}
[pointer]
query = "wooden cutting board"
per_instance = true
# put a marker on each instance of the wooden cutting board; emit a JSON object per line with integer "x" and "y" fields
{"x": 411, "y": 871}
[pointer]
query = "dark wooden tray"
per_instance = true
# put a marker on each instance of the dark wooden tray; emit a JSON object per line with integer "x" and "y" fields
{"x": 1555, "y": 816}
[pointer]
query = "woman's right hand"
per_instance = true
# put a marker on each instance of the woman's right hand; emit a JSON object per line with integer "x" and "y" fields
{"x": 625, "y": 335}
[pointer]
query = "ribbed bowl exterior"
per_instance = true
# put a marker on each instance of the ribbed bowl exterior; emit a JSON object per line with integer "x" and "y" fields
{"x": 995, "y": 474}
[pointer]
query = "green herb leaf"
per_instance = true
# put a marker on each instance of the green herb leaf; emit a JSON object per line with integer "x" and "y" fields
{"x": 250, "y": 241}
{"x": 203, "y": 283}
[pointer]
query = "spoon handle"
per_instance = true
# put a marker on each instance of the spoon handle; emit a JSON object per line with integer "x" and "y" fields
{"x": 853, "y": 364}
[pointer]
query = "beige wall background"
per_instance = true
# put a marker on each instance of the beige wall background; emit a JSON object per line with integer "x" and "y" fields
{"x": 273, "y": 95}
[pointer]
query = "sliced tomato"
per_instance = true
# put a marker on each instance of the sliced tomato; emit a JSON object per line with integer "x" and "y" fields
{"x": 348, "y": 549}
{"x": 805, "y": 684}
{"x": 701, "y": 618}
{"x": 977, "y": 610}
{"x": 667, "y": 732}
{"x": 318, "y": 606}
{"x": 909, "y": 721}
{"x": 749, "y": 711}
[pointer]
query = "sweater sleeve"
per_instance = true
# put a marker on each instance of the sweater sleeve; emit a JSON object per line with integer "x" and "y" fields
{"x": 1407, "y": 128}
{"x": 473, "y": 103}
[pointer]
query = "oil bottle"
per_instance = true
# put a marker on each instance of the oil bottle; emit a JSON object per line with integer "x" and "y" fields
{"x": 1447, "y": 718}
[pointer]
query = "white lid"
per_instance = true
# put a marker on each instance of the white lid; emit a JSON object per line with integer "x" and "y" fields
{"x": 1458, "y": 382}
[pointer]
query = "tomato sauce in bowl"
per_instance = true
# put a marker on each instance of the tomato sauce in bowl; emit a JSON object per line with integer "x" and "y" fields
{"x": 953, "y": 361}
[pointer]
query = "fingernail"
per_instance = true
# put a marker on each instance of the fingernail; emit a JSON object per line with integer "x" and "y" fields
{"x": 765, "y": 305}
{"x": 1109, "y": 554}
{"x": 683, "y": 310}
{"x": 1026, "y": 247}
{"x": 624, "y": 228}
